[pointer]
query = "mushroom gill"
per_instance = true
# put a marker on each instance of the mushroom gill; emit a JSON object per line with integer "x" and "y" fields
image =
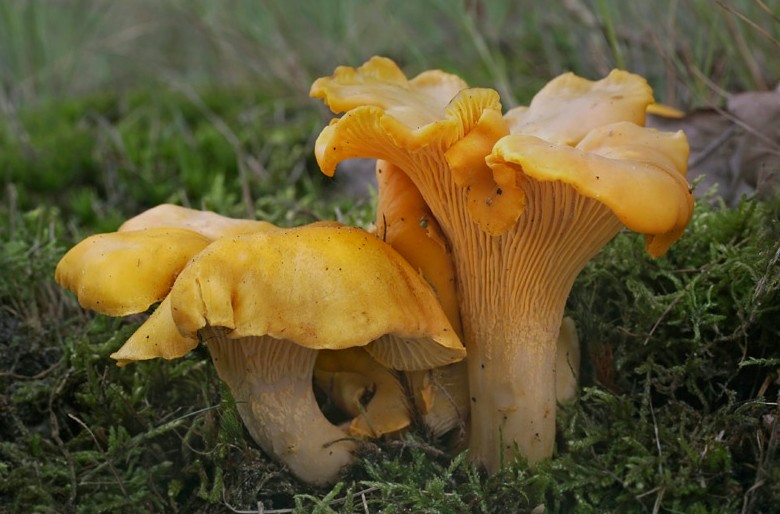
{"x": 404, "y": 221}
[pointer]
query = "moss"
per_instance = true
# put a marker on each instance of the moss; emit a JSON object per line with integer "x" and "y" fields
{"x": 683, "y": 377}
{"x": 102, "y": 159}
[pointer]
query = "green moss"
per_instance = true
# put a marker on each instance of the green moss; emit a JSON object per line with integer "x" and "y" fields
{"x": 103, "y": 159}
{"x": 681, "y": 353}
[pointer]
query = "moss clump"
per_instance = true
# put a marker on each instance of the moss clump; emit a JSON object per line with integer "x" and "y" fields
{"x": 682, "y": 406}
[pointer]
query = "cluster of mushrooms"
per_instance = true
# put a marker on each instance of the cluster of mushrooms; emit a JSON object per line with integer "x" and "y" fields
{"x": 450, "y": 311}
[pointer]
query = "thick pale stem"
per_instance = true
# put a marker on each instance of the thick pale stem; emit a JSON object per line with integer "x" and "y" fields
{"x": 512, "y": 383}
{"x": 271, "y": 381}
{"x": 513, "y": 291}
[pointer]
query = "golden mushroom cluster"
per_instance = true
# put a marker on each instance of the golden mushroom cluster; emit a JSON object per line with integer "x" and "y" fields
{"x": 450, "y": 311}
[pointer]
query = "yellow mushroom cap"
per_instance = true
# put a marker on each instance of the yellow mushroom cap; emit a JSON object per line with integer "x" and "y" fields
{"x": 320, "y": 286}
{"x": 206, "y": 223}
{"x": 157, "y": 337}
{"x": 665, "y": 111}
{"x": 123, "y": 273}
{"x": 379, "y": 124}
{"x": 569, "y": 107}
{"x": 380, "y": 83}
{"x": 493, "y": 200}
{"x": 386, "y": 110}
{"x": 637, "y": 172}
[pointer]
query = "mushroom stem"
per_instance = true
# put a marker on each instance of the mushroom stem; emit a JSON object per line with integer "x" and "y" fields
{"x": 512, "y": 315}
{"x": 271, "y": 381}
{"x": 512, "y": 395}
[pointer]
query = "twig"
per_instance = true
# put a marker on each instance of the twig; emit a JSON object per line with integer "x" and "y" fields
{"x": 713, "y": 146}
{"x": 55, "y": 434}
{"x": 659, "y": 500}
{"x": 646, "y": 493}
{"x": 260, "y": 508}
{"x": 761, "y": 284}
{"x": 742, "y": 47}
{"x": 764, "y": 459}
{"x": 37, "y": 376}
{"x": 429, "y": 450}
{"x": 702, "y": 271}
{"x": 103, "y": 453}
{"x": 774, "y": 147}
{"x": 657, "y": 437}
{"x": 768, "y": 10}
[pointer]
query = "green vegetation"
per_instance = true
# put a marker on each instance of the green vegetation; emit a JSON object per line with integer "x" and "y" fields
{"x": 679, "y": 409}
{"x": 690, "y": 50}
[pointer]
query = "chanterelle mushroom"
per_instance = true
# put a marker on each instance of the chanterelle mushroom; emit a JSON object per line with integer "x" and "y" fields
{"x": 522, "y": 213}
{"x": 266, "y": 302}
{"x": 126, "y": 272}
{"x": 441, "y": 394}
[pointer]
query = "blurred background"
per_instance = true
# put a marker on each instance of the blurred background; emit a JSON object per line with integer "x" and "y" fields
{"x": 692, "y": 51}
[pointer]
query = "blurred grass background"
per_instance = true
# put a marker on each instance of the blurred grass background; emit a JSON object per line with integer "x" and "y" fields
{"x": 108, "y": 107}
{"x": 690, "y": 50}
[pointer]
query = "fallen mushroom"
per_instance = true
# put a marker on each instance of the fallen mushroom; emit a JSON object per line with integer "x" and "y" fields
{"x": 363, "y": 389}
{"x": 522, "y": 213}
{"x": 266, "y": 302}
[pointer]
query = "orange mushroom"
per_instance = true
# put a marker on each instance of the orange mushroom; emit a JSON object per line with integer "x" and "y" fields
{"x": 265, "y": 303}
{"x": 523, "y": 202}
{"x": 405, "y": 222}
